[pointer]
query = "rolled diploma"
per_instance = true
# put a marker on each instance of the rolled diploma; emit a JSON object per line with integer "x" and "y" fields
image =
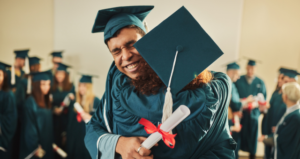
{"x": 79, "y": 110}
{"x": 177, "y": 117}
{"x": 59, "y": 151}
{"x": 236, "y": 121}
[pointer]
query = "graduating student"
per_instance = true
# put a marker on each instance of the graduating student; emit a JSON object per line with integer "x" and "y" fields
{"x": 56, "y": 59}
{"x": 139, "y": 78}
{"x": 36, "y": 129}
{"x": 34, "y": 64}
{"x": 88, "y": 102}
{"x": 276, "y": 110}
{"x": 286, "y": 135}
{"x": 8, "y": 114}
{"x": 248, "y": 85}
{"x": 235, "y": 106}
{"x": 62, "y": 88}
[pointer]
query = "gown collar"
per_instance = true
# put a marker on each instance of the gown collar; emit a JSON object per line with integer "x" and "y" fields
{"x": 292, "y": 108}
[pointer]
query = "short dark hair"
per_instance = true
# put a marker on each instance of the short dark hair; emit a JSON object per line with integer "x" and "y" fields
{"x": 138, "y": 30}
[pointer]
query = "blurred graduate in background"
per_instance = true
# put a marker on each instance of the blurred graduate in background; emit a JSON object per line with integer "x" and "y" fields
{"x": 8, "y": 114}
{"x": 249, "y": 85}
{"x": 88, "y": 102}
{"x": 34, "y": 64}
{"x": 276, "y": 110}
{"x": 62, "y": 91}
{"x": 56, "y": 59}
{"x": 36, "y": 124}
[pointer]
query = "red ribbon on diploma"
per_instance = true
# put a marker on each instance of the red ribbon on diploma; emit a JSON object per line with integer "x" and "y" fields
{"x": 78, "y": 117}
{"x": 151, "y": 128}
{"x": 249, "y": 107}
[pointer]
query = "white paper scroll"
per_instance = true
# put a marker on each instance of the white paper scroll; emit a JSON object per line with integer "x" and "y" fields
{"x": 59, "y": 151}
{"x": 236, "y": 121}
{"x": 178, "y": 116}
{"x": 79, "y": 109}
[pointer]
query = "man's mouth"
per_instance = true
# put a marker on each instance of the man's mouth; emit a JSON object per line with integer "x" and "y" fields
{"x": 132, "y": 67}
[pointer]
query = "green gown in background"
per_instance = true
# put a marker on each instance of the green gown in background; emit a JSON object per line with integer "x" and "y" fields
{"x": 249, "y": 132}
{"x": 75, "y": 147}
{"x": 8, "y": 122}
{"x": 203, "y": 134}
{"x": 60, "y": 122}
{"x": 288, "y": 140}
{"x": 36, "y": 129}
{"x": 235, "y": 105}
{"x": 274, "y": 114}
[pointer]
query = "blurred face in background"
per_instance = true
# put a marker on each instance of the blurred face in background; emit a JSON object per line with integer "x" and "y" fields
{"x": 60, "y": 76}
{"x": 250, "y": 71}
{"x": 55, "y": 61}
{"x": 45, "y": 86}
{"x": 82, "y": 89}
{"x": 233, "y": 74}
{"x": 1, "y": 78}
{"x": 19, "y": 62}
{"x": 280, "y": 80}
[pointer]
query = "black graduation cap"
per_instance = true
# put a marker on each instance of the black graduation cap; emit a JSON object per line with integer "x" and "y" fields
{"x": 39, "y": 76}
{"x": 21, "y": 53}
{"x": 233, "y": 66}
{"x": 34, "y": 60}
{"x": 62, "y": 67}
{"x": 289, "y": 72}
{"x": 4, "y": 66}
{"x": 180, "y": 33}
{"x": 56, "y": 54}
{"x": 252, "y": 62}
{"x": 86, "y": 78}
{"x": 112, "y": 19}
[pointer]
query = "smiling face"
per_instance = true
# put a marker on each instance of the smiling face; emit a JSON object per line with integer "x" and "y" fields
{"x": 60, "y": 76}
{"x": 126, "y": 57}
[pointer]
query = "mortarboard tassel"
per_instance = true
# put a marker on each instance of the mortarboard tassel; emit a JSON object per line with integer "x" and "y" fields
{"x": 13, "y": 78}
{"x": 29, "y": 85}
{"x": 27, "y": 69}
{"x": 168, "y": 105}
{"x": 146, "y": 26}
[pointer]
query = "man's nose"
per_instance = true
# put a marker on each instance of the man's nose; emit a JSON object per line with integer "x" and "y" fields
{"x": 127, "y": 55}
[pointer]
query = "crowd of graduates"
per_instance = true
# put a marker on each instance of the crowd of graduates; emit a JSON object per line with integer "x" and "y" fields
{"x": 280, "y": 125}
{"x": 38, "y": 118}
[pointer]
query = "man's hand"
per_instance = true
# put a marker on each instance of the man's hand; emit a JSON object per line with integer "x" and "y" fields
{"x": 235, "y": 128}
{"x": 238, "y": 113}
{"x": 71, "y": 96}
{"x": 127, "y": 147}
{"x": 85, "y": 116}
{"x": 261, "y": 138}
{"x": 250, "y": 99}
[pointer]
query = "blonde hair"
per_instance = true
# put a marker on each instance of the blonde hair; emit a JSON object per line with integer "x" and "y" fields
{"x": 292, "y": 91}
{"x": 86, "y": 101}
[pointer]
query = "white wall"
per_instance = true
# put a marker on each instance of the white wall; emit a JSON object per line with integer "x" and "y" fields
{"x": 73, "y": 21}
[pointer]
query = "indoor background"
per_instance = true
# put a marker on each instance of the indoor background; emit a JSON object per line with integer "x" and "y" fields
{"x": 266, "y": 30}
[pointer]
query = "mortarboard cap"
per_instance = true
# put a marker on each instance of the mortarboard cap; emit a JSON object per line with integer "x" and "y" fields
{"x": 62, "y": 67}
{"x": 21, "y": 53}
{"x": 179, "y": 32}
{"x": 290, "y": 73}
{"x": 86, "y": 78}
{"x": 4, "y": 66}
{"x": 34, "y": 60}
{"x": 282, "y": 69}
{"x": 39, "y": 76}
{"x": 57, "y": 54}
{"x": 233, "y": 66}
{"x": 111, "y": 20}
{"x": 251, "y": 62}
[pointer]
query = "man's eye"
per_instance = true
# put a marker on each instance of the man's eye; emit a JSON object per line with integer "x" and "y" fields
{"x": 116, "y": 52}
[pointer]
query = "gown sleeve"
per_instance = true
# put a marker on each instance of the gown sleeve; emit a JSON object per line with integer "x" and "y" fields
{"x": 8, "y": 119}
{"x": 29, "y": 133}
{"x": 235, "y": 103}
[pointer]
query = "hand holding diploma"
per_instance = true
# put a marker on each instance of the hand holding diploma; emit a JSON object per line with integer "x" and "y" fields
{"x": 59, "y": 151}
{"x": 162, "y": 131}
{"x": 81, "y": 114}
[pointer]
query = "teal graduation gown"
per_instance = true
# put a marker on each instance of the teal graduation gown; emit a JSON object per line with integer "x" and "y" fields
{"x": 75, "y": 147}
{"x": 60, "y": 122}
{"x": 8, "y": 122}
{"x": 249, "y": 132}
{"x": 235, "y": 105}
{"x": 288, "y": 140}
{"x": 36, "y": 129}
{"x": 274, "y": 114}
{"x": 203, "y": 134}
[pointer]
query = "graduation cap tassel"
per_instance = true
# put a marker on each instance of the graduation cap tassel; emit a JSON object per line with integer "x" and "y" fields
{"x": 168, "y": 105}
{"x": 29, "y": 85}
{"x": 13, "y": 78}
{"x": 27, "y": 69}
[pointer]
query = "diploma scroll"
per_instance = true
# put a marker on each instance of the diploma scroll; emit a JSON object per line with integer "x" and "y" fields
{"x": 177, "y": 117}
{"x": 59, "y": 151}
{"x": 79, "y": 110}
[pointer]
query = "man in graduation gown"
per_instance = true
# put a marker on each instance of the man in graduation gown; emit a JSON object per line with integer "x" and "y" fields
{"x": 247, "y": 85}
{"x": 114, "y": 130}
{"x": 276, "y": 110}
{"x": 286, "y": 135}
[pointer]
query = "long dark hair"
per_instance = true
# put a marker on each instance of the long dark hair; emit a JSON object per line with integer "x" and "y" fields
{"x": 66, "y": 86}
{"x": 42, "y": 100}
{"x": 5, "y": 84}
